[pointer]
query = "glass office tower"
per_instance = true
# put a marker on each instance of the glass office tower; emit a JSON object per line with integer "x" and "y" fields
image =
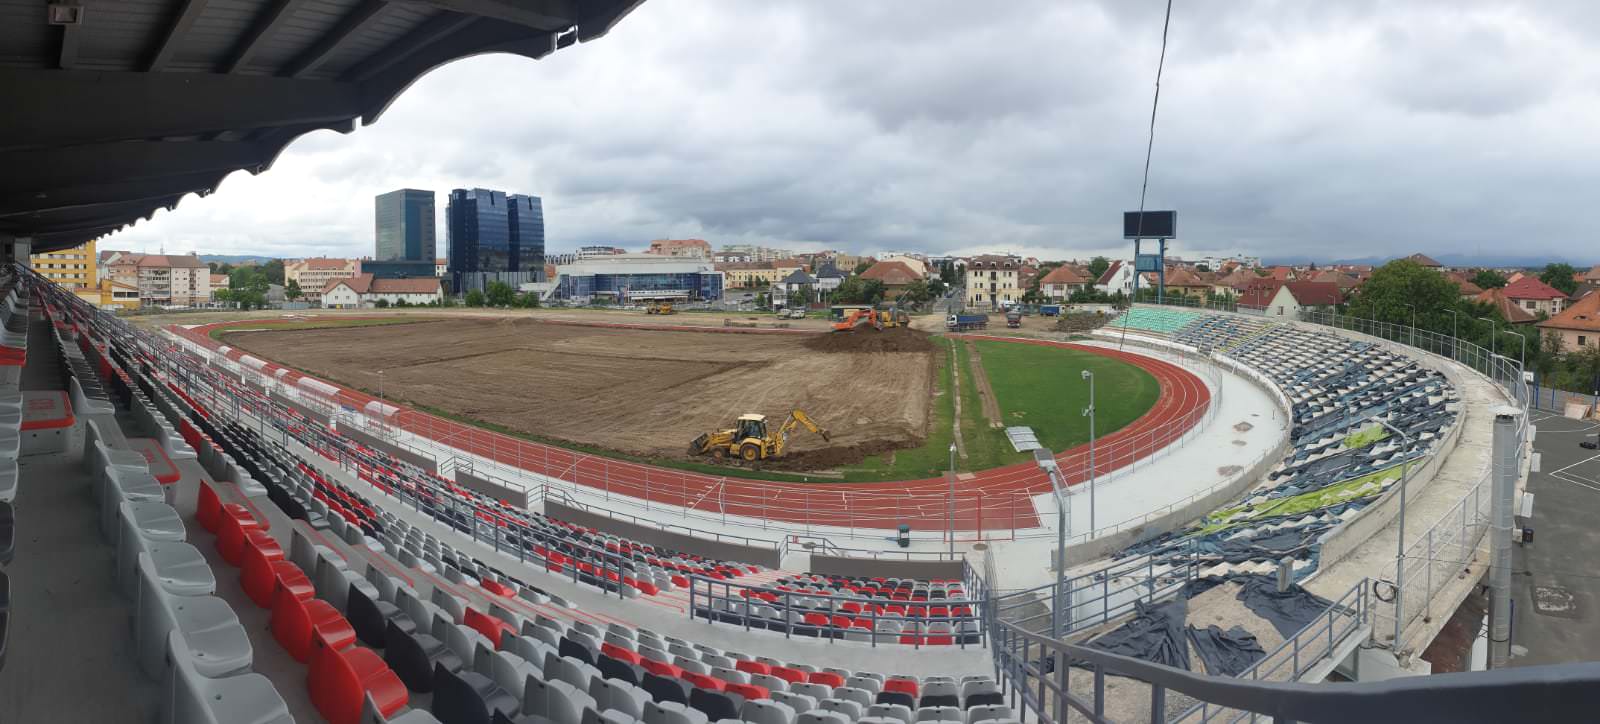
{"x": 526, "y": 221}
{"x": 404, "y": 226}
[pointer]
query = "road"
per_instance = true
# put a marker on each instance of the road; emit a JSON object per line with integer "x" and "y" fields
{"x": 1556, "y": 586}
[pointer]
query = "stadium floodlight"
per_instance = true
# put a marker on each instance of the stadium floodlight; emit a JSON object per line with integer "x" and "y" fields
{"x": 1089, "y": 413}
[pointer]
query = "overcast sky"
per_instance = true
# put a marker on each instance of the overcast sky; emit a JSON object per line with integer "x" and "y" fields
{"x": 1325, "y": 129}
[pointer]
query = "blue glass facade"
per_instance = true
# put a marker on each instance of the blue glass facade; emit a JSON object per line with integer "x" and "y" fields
{"x": 404, "y": 226}
{"x": 526, "y": 223}
{"x": 694, "y": 285}
{"x": 490, "y": 231}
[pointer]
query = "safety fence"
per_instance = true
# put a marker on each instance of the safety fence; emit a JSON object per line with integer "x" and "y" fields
{"x": 900, "y": 621}
{"x": 1550, "y": 399}
{"x": 992, "y": 505}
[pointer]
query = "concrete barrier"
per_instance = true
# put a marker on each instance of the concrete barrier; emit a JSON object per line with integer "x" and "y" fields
{"x": 516, "y": 496}
{"x": 729, "y": 550}
{"x": 421, "y": 460}
{"x": 886, "y": 567}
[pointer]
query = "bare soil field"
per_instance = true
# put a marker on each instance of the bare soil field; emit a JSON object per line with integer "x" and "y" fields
{"x": 637, "y": 391}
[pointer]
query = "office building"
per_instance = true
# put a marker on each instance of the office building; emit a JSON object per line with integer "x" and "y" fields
{"x": 525, "y": 223}
{"x": 638, "y": 277}
{"x": 492, "y": 237}
{"x": 312, "y": 275}
{"x": 404, "y": 226}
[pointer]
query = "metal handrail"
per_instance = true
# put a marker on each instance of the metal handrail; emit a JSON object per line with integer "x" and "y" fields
{"x": 703, "y": 591}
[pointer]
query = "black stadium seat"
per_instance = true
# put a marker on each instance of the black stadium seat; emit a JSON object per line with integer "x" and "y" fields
{"x": 619, "y": 670}
{"x": 662, "y": 689}
{"x": 716, "y": 705}
{"x": 467, "y": 697}
{"x": 414, "y": 656}
{"x": 372, "y": 618}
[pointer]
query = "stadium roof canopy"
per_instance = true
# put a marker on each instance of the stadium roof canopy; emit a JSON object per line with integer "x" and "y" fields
{"x": 116, "y": 108}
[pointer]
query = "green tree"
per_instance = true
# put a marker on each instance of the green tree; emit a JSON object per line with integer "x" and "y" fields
{"x": 1488, "y": 279}
{"x": 948, "y": 274}
{"x": 528, "y": 300}
{"x": 291, "y": 291}
{"x": 1098, "y": 266}
{"x": 856, "y": 290}
{"x": 1550, "y": 351}
{"x": 1559, "y": 275}
{"x": 915, "y": 291}
{"x": 272, "y": 269}
{"x": 863, "y": 266}
{"x": 763, "y": 300}
{"x": 500, "y": 294}
{"x": 1401, "y": 285}
{"x": 219, "y": 267}
{"x": 381, "y": 303}
{"x": 475, "y": 298}
{"x": 937, "y": 288}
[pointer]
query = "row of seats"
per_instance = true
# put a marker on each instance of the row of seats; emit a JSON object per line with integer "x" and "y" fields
{"x": 895, "y": 589}
{"x": 184, "y": 636}
{"x": 14, "y": 315}
{"x": 1158, "y": 320}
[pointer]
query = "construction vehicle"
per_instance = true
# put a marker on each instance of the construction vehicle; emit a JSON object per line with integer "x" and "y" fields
{"x": 964, "y": 322}
{"x": 792, "y": 313}
{"x": 1014, "y": 318}
{"x": 859, "y": 318}
{"x": 659, "y": 308}
{"x": 750, "y": 440}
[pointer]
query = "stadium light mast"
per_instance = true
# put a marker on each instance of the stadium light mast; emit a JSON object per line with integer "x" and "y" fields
{"x": 1400, "y": 545}
{"x": 1089, "y": 413}
{"x": 950, "y": 504}
{"x": 1494, "y": 331}
{"x": 1061, "y": 600}
{"x": 1455, "y": 337}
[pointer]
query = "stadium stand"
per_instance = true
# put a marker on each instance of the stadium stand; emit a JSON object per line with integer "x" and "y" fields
{"x": 1162, "y": 321}
{"x": 350, "y": 593}
{"x": 1339, "y": 460}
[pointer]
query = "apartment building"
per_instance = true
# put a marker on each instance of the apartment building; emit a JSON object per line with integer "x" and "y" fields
{"x": 994, "y": 281}
{"x": 163, "y": 280}
{"x": 75, "y": 268}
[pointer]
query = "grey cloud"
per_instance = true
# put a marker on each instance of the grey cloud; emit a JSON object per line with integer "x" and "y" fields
{"x": 1351, "y": 129}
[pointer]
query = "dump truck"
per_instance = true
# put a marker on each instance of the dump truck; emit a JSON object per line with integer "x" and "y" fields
{"x": 1050, "y": 310}
{"x": 1014, "y": 318}
{"x": 750, "y": 440}
{"x": 963, "y": 322}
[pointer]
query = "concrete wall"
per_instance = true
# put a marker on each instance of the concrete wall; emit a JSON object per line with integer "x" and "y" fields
{"x": 426, "y": 462}
{"x": 887, "y": 568}
{"x": 724, "y": 549}
{"x": 516, "y": 496}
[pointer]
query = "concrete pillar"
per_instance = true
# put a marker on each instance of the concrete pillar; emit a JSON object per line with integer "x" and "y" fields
{"x": 1502, "y": 490}
{"x": 22, "y": 251}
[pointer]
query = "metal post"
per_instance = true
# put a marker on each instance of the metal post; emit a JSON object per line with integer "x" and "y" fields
{"x": 1413, "y": 308}
{"x": 950, "y": 503}
{"x": 1089, "y": 413}
{"x": 1400, "y": 544}
{"x": 1494, "y": 331}
{"x": 1504, "y": 467}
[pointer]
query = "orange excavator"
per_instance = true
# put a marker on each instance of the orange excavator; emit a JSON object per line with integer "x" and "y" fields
{"x": 859, "y": 317}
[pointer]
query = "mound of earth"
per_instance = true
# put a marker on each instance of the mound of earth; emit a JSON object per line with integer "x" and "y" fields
{"x": 1081, "y": 322}
{"x": 868, "y": 340}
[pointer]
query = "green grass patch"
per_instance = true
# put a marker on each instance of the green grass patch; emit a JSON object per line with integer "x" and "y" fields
{"x": 1042, "y": 387}
{"x": 1303, "y": 503}
{"x": 1363, "y": 438}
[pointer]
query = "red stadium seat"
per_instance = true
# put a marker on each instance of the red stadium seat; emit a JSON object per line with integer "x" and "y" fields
{"x": 256, "y": 574}
{"x": 341, "y": 679}
{"x": 208, "y": 507}
{"x": 231, "y": 532}
{"x": 752, "y": 667}
{"x": 703, "y": 681}
{"x": 750, "y": 692}
{"x": 793, "y": 676}
{"x": 827, "y": 678}
{"x": 294, "y": 622}
{"x": 491, "y": 627}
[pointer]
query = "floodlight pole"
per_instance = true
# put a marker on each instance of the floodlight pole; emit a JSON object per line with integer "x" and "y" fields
{"x": 1061, "y": 600}
{"x": 950, "y": 504}
{"x": 1089, "y": 413}
{"x": 1494, "y": 331}
{"x": 1455, "y": 337}
{"x": 1400, "y": 545}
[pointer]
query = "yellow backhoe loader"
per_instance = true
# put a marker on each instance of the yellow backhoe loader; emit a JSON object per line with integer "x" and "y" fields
{"x": 750, "y": 440}
{"x": 659, "y": 308}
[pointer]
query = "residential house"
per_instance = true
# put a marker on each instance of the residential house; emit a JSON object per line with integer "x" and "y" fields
{"x": 1592, "y": 276}
{"x": 110, "y": 294}
{"x": 797, "y": 281}
{"x": 756, "y": 274}
{"x": 1117, "y": 278}
{"x": 1536, "y": 296}
{"x": 1578, "y": 326}
{"x": 1063, "y": 281}
{"x": 1509, "y": 310}
{"x": 1233, "y": 281}
{"x": 313, "y": 275}
{"x": 1464, "y": 284}
{"x": 1288, "y": 299}
{"x": 914, "y": 262}
{"x": 894, "y": 275}
{"x": 694, "y": 248}
{"x": 441, "y": 267}
{"x": 994, "y": 281}
{"x": 364, "y": 290}
{"x": 1425, "y": 261}
{"x": 1183, "y": 282}
{"x": 829, "y": 278}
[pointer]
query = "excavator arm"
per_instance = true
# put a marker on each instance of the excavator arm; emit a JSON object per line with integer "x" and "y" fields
{"x": 796, "y": 419}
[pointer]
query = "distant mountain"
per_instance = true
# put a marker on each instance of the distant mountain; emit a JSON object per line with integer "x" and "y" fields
{"x": 1451, "y": 260}
{"x": 236, "y": 258}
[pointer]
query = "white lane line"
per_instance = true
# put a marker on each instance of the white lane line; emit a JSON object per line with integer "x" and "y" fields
{"x": 1589, "y": 459}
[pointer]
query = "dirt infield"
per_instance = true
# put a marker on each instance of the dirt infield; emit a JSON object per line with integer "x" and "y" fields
{"x": 894, "y": 339}
{"x": 638, "y": 391}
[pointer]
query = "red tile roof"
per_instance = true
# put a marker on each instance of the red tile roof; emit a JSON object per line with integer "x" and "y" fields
{"x": 1424, "y": 260}
{"x": 1508, "y": 308}
{"x": 1064, "y": 274}
{"x": 325, "y": 263}
{"x": 1316, "y": 294}
{"x": 1111, "y": 273}
{"x": 1583, "y": 316}
{"x": 368, "y": 284}
{"x": 891, "y": 273}
{"x": 1529, "y": 287}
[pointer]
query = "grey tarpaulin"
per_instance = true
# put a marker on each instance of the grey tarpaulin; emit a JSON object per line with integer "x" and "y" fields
{"x": 1289, "y": 611}
{"x": 1155, "y": 633}
{"x": 1225, "y": 653}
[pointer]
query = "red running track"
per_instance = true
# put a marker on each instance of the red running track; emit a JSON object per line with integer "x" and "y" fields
{"x": 993, "y": 500}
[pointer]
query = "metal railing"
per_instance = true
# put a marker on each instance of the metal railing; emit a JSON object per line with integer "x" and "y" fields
{"x": 730, "y": 602}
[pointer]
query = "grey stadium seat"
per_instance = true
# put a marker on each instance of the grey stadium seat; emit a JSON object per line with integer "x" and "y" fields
{"x": 194, "y": 698}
